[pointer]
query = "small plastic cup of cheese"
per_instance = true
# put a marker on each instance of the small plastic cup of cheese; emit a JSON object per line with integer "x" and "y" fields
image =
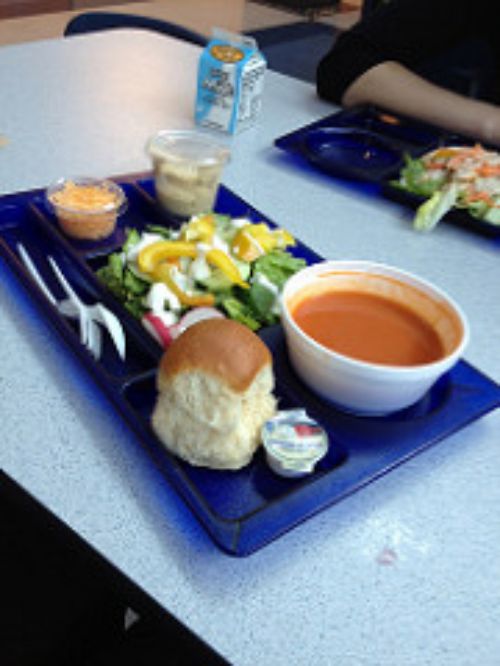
{"x": 86, "y": 208}
{"x": 187, "y": 169}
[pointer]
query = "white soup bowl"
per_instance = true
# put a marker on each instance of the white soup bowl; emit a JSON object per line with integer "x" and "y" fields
{"x": 359, "y": 386}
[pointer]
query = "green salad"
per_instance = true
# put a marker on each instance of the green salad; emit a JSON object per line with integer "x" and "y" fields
{"x": 466, "y": 177}
{"x": 213, "y": 262}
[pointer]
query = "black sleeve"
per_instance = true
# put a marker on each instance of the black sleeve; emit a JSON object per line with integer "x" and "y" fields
{"x": 406, "y": 31}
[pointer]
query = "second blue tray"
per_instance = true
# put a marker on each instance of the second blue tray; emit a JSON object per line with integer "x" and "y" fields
{"x": 367, "y": 145}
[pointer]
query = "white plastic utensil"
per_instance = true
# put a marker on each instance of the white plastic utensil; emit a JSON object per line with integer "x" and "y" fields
{"x": 100, "y": 313}
{"x": 89, "y": 316}
{"x": 85, "y": 328}
{"x": 68, "y": 308}
{"x": 96, "y": 339}
{"x": 35, "y": 274}
{"x": 92, "y": 315}
{"x": 95, "y": 314}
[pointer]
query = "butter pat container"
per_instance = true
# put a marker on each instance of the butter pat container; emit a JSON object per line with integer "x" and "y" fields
{"x": 230, "y": 82}
{"x": 293, "y": 443}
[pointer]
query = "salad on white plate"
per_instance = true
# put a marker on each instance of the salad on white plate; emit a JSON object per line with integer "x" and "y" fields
{"x": 214, "y": 265}
{"x": 462, "y": 177}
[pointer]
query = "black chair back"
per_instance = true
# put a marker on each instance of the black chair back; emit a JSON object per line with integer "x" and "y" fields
{"x": 95, "y": 21}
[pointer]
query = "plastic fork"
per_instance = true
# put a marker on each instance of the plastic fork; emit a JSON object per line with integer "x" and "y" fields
{"x": 86, "y": 332}
{"x": 69, "y": 304}
{"x": 90, "y": 316}
{"x": 99, "y": 314}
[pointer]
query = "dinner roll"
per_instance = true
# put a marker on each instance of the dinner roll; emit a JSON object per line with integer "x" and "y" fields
{"x": 215, "y": 386}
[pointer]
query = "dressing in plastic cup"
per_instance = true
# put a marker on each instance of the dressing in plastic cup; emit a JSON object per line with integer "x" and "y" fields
{"x": 187, "y": 169}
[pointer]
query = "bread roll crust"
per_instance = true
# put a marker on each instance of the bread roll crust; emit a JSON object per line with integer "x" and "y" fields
{"x": 222, "y": 348}
{"x": 215, "y": 392}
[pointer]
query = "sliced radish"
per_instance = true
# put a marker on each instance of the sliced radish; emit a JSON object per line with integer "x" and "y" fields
{"x": 195, "y": 315}
{"x": 165, "y": 335}
{"x": 162, "y": 333}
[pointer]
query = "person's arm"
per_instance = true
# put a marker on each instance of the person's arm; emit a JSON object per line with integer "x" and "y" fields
{"x": 395, "y": 88}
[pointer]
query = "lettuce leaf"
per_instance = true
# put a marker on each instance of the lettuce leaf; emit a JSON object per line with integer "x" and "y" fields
{"x": 415, "y": 178}
{"x": 262, "y": 300}
{"x": 435, "y": 208}
{"x": 492, "y": 216}
{"x": 132, "y": 238}
{"x": 161, "y": 231}
{"x": 127, "y": 287}
{"x": 241, "y": 312}
{"x": 277, "y": 266}
{"x": 225, "y": 228}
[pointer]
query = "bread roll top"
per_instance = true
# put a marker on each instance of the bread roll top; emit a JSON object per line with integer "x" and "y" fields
{"x": 222, "y": 348}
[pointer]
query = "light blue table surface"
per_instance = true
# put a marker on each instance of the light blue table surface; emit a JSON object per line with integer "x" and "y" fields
{"x": 406, "y": 571}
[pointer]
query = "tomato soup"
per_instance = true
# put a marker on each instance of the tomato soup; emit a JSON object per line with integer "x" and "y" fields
{"x": 368, "y": 327}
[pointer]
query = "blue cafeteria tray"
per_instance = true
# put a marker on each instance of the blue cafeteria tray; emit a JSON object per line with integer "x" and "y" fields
{"x": 363, "y": 143}
{"x": 244, "y": 510}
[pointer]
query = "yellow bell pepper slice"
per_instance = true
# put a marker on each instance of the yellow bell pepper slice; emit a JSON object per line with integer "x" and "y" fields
{"x": 223, "y": 261}
{"x": 163, "y": 273}
{"x": 263, "y": 235}
{"x": 254, "y": 240}
{"x": 153, "y": 254}
{"x": 283, "y": 238}
{"x": 201, "y": 228}
{"x": 246, "y": 246}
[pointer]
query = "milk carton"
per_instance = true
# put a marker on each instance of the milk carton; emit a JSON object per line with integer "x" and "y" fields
{"x": 230, "y": 81}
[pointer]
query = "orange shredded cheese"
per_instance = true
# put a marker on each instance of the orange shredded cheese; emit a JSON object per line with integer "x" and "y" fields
{"x": 86, "y": 210}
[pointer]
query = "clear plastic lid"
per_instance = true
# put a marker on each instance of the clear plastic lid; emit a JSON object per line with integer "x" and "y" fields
{"x": 86, "y": 195}
{"x": 187, "y": 146}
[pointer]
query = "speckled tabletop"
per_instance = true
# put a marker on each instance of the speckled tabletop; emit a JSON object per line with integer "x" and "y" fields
{"x": 405, "y": 571}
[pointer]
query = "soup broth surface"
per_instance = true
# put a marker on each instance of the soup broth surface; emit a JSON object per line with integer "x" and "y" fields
{"x": 368, "y": 327}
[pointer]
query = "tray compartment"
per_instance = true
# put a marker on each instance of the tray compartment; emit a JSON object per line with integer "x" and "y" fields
{"x": 363, "y": 143}
{"x": 233, "y": 495}
{"x": 22, "y": 224}
{"x": 141, "y": 210}
{"x": 244, "y": 510}
{"x": 404, "y": 132}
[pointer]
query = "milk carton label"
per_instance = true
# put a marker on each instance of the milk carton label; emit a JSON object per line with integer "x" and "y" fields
{"x": 230, "y": 82}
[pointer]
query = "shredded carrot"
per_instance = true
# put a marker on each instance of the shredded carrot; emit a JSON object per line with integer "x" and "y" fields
{"x": 486, "y": 170}
{"x": 436, "y": 166}
{"x": 481, "y": 196}
{"x": 475, "y": 152}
